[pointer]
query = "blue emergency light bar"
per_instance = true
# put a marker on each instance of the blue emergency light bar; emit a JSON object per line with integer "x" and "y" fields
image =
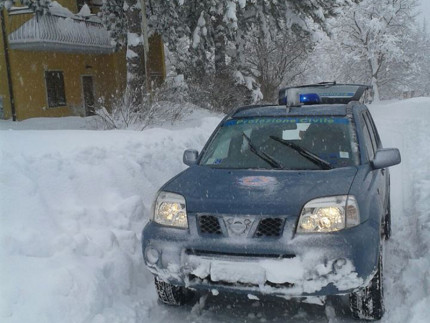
{"x": 324, "y": 93}
{"x": 310, "y": 98}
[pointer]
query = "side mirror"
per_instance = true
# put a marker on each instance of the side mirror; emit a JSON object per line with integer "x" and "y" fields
{"x": 190, "y": 157}
{"x": 386, "y": 158}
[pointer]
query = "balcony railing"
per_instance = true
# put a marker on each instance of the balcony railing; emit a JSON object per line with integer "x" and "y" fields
{"x": 52, "y": 32}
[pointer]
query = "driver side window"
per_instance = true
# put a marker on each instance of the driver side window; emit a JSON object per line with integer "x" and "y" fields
{"x": 367, "y": 139}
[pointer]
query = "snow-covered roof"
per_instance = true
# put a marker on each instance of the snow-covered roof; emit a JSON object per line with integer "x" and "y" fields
{"x": 62, "y": 31}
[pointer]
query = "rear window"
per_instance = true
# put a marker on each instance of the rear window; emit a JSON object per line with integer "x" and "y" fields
{"x": 329, "y": 138}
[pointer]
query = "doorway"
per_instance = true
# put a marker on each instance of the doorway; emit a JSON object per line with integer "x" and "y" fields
{"x": 88, "y": 93}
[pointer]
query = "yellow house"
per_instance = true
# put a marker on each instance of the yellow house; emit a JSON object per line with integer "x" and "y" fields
{"x": 60, "y": 64}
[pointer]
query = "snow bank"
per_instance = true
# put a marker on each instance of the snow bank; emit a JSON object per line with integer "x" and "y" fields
{"x": 73, "y": 203}
{"x": 406, "y": 125}
{"x": 65, "y": 123}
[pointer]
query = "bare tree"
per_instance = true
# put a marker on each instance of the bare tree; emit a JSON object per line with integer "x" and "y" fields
{"x": 278, "y": 60}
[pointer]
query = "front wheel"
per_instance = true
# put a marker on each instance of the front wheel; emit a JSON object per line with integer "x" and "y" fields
{"x": 170, "y": 294}
{"x": 368, "y": 303}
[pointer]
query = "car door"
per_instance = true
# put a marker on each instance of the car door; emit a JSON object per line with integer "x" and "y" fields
{"x": 378, "y": 145}
{"x": 379, "y": 178}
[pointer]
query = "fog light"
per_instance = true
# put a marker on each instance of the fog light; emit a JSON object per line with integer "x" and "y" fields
{"x": 152, "y": 255}
{"x": 338, "y": 264}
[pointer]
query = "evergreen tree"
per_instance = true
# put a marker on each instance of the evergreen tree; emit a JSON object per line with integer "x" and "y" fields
{"x": 211, "y": 24}
{"x": 217, "y": 33}
{"x": 114, "y": 18}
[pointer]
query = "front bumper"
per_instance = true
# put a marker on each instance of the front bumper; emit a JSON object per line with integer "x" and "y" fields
{"x": 290, "y": 266}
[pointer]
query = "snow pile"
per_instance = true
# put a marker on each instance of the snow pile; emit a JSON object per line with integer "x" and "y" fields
{"x": 57, "y": 9}
{"x": 85, "y": 11}
{"x": 73, "y": 204}
{"x": 65, "y": 123}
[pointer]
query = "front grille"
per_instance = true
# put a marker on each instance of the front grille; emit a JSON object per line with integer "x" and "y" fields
{"x": 208, "y": 281}
{"x": 269, "y": 227}
{"x": 209, "y": 224}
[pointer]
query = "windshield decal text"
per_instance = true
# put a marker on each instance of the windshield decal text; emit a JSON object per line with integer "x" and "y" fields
{"x": 261, "y": 121}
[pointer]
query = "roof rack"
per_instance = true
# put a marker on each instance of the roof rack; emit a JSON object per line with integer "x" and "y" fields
{"x": 324, "y": 93}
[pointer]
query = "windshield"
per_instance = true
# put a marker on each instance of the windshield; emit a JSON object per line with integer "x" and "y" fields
{"x": 316, "y": 142}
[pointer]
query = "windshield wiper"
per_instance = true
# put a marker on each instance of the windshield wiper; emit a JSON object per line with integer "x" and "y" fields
{"x": 305, "y": 153}
{"x": 268, "y": 159}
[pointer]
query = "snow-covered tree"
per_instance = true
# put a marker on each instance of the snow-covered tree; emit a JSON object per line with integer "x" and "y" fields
{"x": 135, "y": 52}
{"x": 38, "y": 6}
{"x": 411, "y": 73}
{"x": 372, "y": 36}
{"x": 123, "y": 20}
{"x": 213, "y": 35}
{"x": 114, "y": 18}
{"x": 5, "y": 4}
{"x": 211, "y": 24}
{"x": 422, "y": 78}
{"x": 329, "y": 61}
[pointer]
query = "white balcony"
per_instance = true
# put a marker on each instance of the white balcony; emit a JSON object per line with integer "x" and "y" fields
{"x": 62, "y": 33}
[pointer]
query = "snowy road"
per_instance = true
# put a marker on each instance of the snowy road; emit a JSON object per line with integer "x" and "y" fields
{"x": 406, "y": 125}
{"x": 73, "y": 203}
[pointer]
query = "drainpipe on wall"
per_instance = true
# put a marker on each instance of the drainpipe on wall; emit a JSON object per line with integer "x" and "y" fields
{"x": 6, "y": 57}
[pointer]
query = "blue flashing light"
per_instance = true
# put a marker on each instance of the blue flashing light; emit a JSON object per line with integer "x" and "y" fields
{"x": 310, "y": 98}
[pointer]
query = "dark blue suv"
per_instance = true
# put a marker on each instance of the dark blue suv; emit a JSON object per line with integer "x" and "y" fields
{"x": 286, "y": 200}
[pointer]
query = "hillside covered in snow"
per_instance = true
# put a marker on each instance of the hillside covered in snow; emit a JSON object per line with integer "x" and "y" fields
{"x": 73, "y": 204}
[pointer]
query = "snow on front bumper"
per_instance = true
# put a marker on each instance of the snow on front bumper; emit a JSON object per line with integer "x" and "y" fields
{"x": 297, "y": 276}
{"x": 294, "y": 265}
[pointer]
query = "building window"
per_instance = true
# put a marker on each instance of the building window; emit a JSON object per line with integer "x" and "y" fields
{"x": 55, "y": 88}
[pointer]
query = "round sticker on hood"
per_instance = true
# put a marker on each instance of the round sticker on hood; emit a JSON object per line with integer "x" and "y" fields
{"x": 257, "y": 181}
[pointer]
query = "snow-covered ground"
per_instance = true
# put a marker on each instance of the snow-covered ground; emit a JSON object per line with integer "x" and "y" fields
{"x": 73, "y": 203}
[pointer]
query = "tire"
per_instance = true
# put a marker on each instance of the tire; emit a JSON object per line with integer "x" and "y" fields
{"x": 368, "y": 303}
{"x": 170, "y": 294}
{"x": 387, "y": 222}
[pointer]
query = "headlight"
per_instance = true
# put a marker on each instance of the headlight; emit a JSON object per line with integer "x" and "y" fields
{"x": 170, "y": 210}
{"x": 329, "y": 214}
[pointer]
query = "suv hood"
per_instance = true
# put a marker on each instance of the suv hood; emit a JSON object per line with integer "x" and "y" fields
{"x": 211, "y": 190}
